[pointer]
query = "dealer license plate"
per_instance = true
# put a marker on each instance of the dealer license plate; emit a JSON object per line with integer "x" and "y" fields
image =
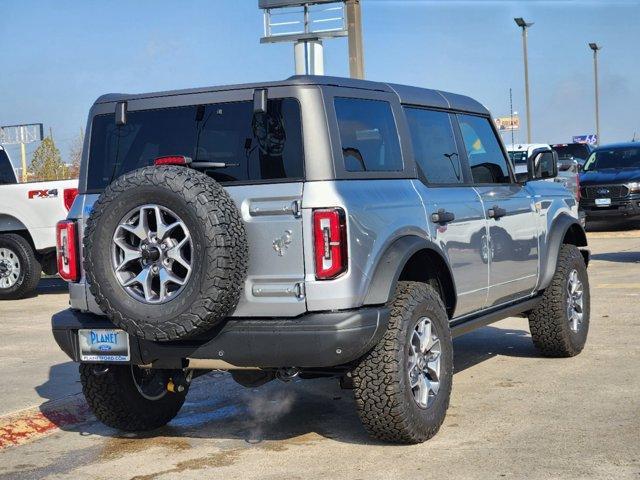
{"x": 103, "y": 345}
{"x": 603, "y": 202}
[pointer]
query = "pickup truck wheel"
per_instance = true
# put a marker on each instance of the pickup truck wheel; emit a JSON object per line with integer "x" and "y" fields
{"x": 130, "y": 398}
{"x": 402, "y": 386}
{"x": 20, "y": 270}
{"x": 165, "y": 252}
{"x": 560, "y": 323}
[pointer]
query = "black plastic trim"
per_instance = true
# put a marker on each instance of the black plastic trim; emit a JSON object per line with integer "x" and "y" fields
{"x": 482, "y": 319}
{"x": 324, "y": 339}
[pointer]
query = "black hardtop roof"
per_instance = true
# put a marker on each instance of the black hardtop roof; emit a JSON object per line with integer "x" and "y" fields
{"x": 609, "y": 146}
{"x": 408, "y": 95}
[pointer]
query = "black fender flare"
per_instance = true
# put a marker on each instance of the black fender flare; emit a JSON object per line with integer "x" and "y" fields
{"x": 392, "y": 262}
{"x": 557, "y": 232}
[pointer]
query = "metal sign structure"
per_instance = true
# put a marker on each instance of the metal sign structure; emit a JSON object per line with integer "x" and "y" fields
{"x": 305, "y": 24}
{"x": 21, "y": 135}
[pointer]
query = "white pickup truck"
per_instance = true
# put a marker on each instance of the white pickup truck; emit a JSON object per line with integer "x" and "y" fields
{"x": 28, "y": 216}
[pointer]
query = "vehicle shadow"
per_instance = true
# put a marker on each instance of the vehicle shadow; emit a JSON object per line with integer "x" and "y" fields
{"x": 285, "y": 413}
{"x": 48, "y": 286}
{"x": 613, "y": 225}
{"x": 617, "y": 257}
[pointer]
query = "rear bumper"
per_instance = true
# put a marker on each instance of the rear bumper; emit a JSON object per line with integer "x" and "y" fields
{"x": 313, "y": 340}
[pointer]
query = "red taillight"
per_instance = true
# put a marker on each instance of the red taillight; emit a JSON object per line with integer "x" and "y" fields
{"x": 69, "y": 195}
{"x": 330, "y": 243}
{"x": 172, "y": 160}
{"x": 67, "y": 250}
{"x": 578, "y": 193}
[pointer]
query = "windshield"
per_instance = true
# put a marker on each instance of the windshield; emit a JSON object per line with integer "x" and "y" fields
{"x": 518, "y": 158}
{"x": 616, "y": 158}
{"x": 575, "y": 150}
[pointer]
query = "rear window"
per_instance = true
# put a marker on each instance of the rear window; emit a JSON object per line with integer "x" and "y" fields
{"x": 573, "y": 150}
{"x": 368, "y": 135}
{"x": 252, "y": 147}
{"x": 6, "y": 169}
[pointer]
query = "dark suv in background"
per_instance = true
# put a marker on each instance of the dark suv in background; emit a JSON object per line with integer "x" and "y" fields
{"x": 610, "y": 182}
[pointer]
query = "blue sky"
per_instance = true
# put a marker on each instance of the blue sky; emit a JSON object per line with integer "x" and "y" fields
{"x": 58, "y": 56}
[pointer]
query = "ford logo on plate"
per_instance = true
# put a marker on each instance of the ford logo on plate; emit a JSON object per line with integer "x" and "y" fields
{"x": 104, "y": 348}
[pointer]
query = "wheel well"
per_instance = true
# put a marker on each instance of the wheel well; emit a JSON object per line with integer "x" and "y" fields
{"x": 575, "y": 236}
{"x": 429, "y": 267}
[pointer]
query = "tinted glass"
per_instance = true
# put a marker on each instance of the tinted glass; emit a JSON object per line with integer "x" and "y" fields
{"x": 7, "y": 175}
{"x": 368, "y": 135}
{"x": 614, "y": 158}
{"x": 573, "y": 150}
{"x": 248, "y": 147}
{"x": 434, "y": 145}
{"x": 488, "y": 164}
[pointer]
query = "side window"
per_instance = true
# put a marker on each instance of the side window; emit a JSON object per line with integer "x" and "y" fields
{"x": 487, "y": 161}
{"x": 368, "y": 135}
{"x": 434, "y": 145}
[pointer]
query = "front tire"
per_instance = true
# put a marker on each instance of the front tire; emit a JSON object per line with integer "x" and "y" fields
{"x": 402, "y": 386}
{"x": 20, "y": 270}
{"x": 121, "y": 397}
{"x": 560, "y": 323}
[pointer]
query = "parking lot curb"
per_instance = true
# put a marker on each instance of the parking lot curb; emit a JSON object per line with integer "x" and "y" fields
{"x": 27, "y": 425}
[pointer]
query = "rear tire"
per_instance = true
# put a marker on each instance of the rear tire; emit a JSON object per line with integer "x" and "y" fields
{"x": 388, "y": 380}
{"x": 20, "y": 270}
{"x": 554, "y": 332}
{"x": 119, "y": 402}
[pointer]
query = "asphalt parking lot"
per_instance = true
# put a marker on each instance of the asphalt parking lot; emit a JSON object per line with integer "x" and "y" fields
{"x": 513, "y": 413}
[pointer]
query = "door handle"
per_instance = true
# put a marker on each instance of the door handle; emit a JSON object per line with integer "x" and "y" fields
{"x": 442, "y": 216}
{"x": 496, "y": 212}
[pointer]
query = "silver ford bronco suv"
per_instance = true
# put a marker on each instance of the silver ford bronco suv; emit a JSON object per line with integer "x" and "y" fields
{"x": 310, "y": 227}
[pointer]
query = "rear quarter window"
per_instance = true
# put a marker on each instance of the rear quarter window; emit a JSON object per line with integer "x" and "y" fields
{"x": 252, "y": 147}
{"x": 368, "y": 135}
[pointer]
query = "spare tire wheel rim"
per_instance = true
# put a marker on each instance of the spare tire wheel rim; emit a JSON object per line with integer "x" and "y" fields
{"x": 152, "y": 254}
{"x": 424, "y": 363}
{"x": 10, "y": 268}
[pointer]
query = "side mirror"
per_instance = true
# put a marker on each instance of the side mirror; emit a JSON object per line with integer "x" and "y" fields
{"x": 542, "y": 165}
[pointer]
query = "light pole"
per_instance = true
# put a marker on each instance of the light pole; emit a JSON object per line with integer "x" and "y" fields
{"x": 595, "y": 48}
{"x": 524, "y": 25}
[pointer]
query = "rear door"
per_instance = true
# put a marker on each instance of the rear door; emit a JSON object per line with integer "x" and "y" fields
{"x": 453, "y": 206}
{"x": 510, "y": 213}
{"x": 257, "y": 157}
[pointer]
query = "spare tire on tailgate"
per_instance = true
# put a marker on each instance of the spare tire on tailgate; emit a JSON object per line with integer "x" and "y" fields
{"x": 165, "y": 252}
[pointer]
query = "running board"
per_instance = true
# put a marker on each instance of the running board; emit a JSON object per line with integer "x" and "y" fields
{"x": 466, "y": 325}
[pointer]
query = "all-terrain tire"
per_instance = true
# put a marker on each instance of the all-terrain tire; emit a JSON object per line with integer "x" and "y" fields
{"x": 115, "y": 400}
{"x": 382, "y": 389}
{"x": 549, "y": 321}
{"x": 219, "y": 255}
{"x": 22, "y": 254}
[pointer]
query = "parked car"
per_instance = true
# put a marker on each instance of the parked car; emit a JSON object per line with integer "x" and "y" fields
{"x": 573, "y": 151}
{"x": 567, "y": 167}
{"x": 610, "y": 182}
{"x": 312, "y": 227}
{"x": 28, "y": 216}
